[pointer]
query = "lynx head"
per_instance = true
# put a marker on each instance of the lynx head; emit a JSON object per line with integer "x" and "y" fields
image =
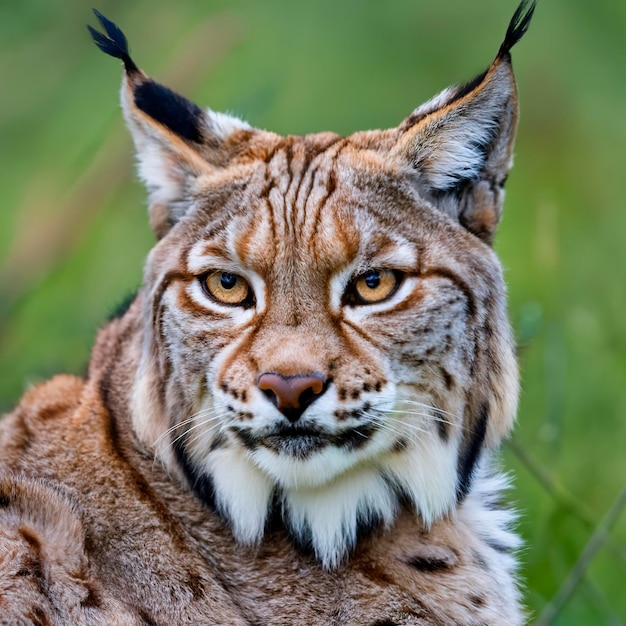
{"x": 324, "y": 326}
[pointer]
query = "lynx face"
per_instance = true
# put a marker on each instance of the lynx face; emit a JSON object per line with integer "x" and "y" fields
{"x": 325, "y": 333}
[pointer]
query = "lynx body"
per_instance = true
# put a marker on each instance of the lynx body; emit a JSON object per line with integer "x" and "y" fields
{"x": 292, "y": 422}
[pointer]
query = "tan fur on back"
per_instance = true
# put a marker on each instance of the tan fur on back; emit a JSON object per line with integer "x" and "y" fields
{"x": 293, "y": 421}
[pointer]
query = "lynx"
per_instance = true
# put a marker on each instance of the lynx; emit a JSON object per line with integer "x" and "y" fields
{"x": 293, "y": 421}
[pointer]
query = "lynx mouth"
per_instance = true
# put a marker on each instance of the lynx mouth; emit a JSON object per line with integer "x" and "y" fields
{"x": 300, "y": 442}
{"x": 294, "y": 441}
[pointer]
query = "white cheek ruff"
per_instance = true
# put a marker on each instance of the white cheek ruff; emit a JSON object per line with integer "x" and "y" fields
{"x": 328, "y": 497}
{"x": 483, "y": 514}
{"x": 242, "y": 493}
{"x": 427, "y": 475}
{"x": 329, "y": 516}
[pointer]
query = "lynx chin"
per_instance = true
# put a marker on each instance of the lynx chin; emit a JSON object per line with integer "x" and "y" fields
{"x": 293, "y": 421}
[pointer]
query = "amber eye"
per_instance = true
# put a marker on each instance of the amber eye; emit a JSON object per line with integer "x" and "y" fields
{"x": 375, "y": 286}
{"x": 227, "y": 288}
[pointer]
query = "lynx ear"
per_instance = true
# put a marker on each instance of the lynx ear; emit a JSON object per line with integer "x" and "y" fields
{"x": 460, "y": 143}
{"x": 176, "y": 141}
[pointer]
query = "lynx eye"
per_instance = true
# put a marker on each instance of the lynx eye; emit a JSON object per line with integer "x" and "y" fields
{"x": 374, "y": 286}
{"x": 227, "y": 288}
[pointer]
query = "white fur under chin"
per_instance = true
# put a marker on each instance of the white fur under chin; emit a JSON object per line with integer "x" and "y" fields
{"x": 328, "y": 516}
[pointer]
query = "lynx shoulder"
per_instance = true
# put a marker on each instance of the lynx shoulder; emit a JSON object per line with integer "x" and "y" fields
{"x": 293, "y": 421}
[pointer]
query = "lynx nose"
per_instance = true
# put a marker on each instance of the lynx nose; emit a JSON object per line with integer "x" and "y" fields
{"x": 292, "y": 394}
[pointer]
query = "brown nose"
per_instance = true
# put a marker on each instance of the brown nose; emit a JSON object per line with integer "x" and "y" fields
{"x": 292, "y": 394}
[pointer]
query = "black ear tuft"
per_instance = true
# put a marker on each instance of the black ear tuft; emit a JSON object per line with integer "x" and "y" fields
{"x": 115, "y": 44}
{"x": 518, "y": 26}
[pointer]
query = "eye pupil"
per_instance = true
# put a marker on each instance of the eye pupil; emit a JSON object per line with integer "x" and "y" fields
{"x": 228, "y": 281}
{"x": 373, "y": 286}
{"x": 372, "y": 280}
{"x": 227, "y": 288}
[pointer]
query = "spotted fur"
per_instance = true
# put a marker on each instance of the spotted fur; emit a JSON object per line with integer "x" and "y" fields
{"x": 299, "y": 454}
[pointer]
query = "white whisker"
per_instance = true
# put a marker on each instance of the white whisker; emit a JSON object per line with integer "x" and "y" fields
{"x": 178, "y": 425}
{"x": 428, "y": 406}
{"x": 222, "y": 427}
{"x": 392, "y": 426}
{"x": 200, "y": 425}
{"x": 434, "y": 413}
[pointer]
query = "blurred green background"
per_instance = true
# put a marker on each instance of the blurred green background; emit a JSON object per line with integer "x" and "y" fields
{"x": 74, "y": 232}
